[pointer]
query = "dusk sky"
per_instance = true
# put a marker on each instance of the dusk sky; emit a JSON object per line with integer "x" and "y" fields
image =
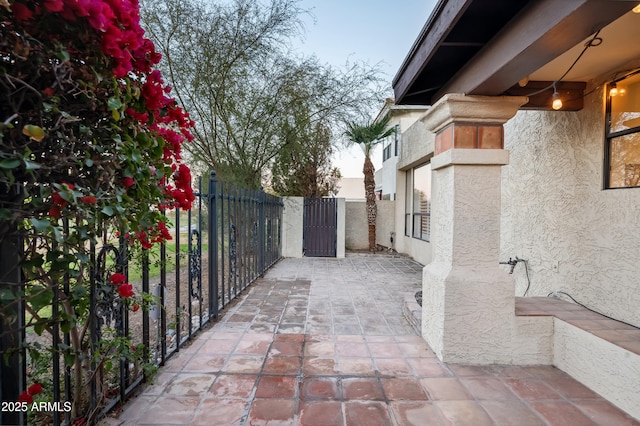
{"x": 363, "y": 30}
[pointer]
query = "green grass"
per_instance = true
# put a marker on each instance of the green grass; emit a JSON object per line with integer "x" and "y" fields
{"x": 135, "y": 268}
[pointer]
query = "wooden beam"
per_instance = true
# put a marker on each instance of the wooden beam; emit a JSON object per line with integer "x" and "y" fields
{"x": 442, "y": 20}
{"x": 541, "y": 33}
{"x": 540, "y": 95}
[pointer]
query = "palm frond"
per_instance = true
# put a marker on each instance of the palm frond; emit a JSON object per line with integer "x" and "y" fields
{"x": 368, "y": 135}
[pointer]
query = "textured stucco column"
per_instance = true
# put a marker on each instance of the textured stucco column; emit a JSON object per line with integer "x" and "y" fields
{"x": 292, "y": 226}
{"x": 341, "y": 228}
{"x": 468, "y": 301}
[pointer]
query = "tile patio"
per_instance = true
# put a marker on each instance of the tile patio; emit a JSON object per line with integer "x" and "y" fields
{"x": 323, "y": 342}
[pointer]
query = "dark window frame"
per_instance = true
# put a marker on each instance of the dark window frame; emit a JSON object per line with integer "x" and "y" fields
{"x": 610, "y": 136}
{"x": 419, "y": 234}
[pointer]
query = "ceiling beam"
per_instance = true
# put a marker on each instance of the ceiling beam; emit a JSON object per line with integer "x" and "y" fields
{"x": 443, "y": 18}
{"x": 542, "y": 32}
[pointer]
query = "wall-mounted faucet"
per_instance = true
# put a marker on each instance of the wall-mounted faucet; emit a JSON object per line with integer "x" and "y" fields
{"x": 512, "y": 263}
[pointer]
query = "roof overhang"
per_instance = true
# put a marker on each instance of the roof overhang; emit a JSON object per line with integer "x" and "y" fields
{"x": 485, "y": 47}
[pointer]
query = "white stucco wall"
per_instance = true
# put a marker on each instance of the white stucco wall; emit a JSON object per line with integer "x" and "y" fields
{"x": 417, "y": 145}
{"x": 292, "y": 226}
{"x": 356, "y": 229}
{"x": 607, "y": 369}
{"x": 341, "y": 228}
{"x": 555, "y": 212}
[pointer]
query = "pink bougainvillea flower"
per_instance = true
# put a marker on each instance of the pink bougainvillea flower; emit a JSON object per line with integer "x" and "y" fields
{"x": 58, "y": 200}
{"x": 89, "y": 199}
{"x": 53, "y": 5}
{"x": 34, "y": 389}
{"x": 21, "y": 12}
{"x": 25, "y": 397}
{"x": 128, "y": 182}
{"x": 125, "y": 290}
{"x": 117, "y": 278}
{"x": 55, "y": 211}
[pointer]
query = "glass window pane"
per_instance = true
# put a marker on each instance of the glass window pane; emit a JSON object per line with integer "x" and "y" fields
{"x": 625, "y": 105}
{"x": 422, "y": 201}
{"x": 416, "y": 226}
{"x": 407, "y": 225}
{"x": 407, "y": 193}
{"x": 625, "y": 161}
{"x": 422, "y": 189}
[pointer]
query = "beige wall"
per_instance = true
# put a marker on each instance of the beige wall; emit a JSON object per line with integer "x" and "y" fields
{"x": 416, "y": 147}
{"x": 356, "y": 229}
{"x": 555, "y": 212}
{"x": 292, "y": 226}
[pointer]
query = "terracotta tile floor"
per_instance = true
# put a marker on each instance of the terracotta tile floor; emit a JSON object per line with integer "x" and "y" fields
{"x": 323, "y": 342}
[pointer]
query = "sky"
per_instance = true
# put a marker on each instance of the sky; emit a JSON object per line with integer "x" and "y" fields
{"x": 363, "y": 30}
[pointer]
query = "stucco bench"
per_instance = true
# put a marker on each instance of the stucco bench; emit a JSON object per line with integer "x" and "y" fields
{"x": 602, "y": 353}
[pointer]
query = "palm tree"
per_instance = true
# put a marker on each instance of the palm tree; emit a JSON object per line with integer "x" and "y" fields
{"x": 368, "y": 136}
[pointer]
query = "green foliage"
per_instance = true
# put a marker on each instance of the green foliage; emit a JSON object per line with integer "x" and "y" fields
{"x": 368, "y": 135}
{"x": 231, "y": 65}
{"x": 89, "y": 144}
{"x": 303, "y": 166}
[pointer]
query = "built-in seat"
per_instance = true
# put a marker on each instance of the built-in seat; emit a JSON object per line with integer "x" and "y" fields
{"x": 602, "y": 353}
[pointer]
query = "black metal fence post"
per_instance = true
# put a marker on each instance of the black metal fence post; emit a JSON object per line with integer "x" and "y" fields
{"x": 261, "y": 233}
{"x": 213, "y": 245}
{"x": 12, "y": 366}
{"x": 243, "y": 242}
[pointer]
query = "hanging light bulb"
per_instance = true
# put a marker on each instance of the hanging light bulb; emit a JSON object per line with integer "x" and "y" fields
{"x": 524, "y": 81}
{"x": 613, "y": 90}
{"x": 557, "y": 102}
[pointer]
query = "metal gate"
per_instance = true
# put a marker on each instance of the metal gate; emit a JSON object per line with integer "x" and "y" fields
{"x": 320, "y": 227}
{"x": 228, "y": 239}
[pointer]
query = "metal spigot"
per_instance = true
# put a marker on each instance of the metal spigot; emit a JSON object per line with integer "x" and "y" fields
{"x": 512, "y": 263}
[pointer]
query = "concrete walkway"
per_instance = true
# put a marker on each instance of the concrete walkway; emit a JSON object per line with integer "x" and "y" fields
{"x": 323, "y": 342}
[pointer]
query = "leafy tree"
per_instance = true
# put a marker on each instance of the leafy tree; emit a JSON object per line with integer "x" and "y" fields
{"x": 304, "y": 168}
{"x": 368, "y": 136}
{"x": 90, "y": 143}
{"x": 231, "y": 66}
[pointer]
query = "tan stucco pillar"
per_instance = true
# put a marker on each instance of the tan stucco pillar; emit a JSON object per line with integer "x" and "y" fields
{"x": 468, "y": 300}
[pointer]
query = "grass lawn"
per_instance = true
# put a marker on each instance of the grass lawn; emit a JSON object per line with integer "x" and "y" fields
{"x": 135, "y": 268}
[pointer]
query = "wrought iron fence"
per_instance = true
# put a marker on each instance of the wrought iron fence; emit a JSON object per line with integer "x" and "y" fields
{"x": 233, "y": 235}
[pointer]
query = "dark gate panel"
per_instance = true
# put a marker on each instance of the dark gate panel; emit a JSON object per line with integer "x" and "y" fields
{"x": 320, "y": 227}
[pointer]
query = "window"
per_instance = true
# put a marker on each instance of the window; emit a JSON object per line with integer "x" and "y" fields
{"x": 386, "y": 153}
{"x": 422, "y": 202}
{"x": 408, "y": 189}
{"x": 417, "y": 203}
{"x": 396, "y": 139}
{"x": 622, "y": 150}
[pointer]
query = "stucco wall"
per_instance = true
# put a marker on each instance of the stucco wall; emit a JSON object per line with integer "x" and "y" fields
{"x": 356, "y": 229}
{"x": 555, "y": 212}
{"x": 417, "y": 144}
{"x": 292, "y": 226}
{"x": 607, "y": 369}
